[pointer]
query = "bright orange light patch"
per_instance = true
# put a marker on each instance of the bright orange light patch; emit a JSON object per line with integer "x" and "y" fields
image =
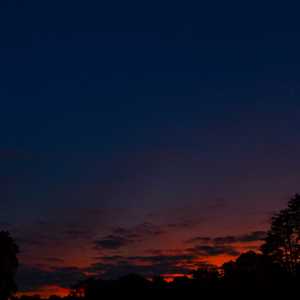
{"x": 171, "y": 277}
{"x": 47, "y": 291}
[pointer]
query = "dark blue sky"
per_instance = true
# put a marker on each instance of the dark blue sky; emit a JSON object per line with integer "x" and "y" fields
{"x": 160, "y": 110}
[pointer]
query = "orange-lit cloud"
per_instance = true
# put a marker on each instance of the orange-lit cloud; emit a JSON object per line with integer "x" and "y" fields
{"x": 46, "y": 291}
{"x": 169, "y": 249}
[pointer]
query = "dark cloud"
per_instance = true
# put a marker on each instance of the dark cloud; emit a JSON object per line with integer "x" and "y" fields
{"x": 208, "y": 250}
{"x": 150, "y": 259}
{"x": 122, "y": 237}
{"x": 246, "y": 238}
{"x": 112, "y": 242}
{"x": 207, "y": 246}
{"x": 53, "y": 231}
{"x": 162, "y": 258}
{"x": 116, "y": 266}
{"x": 231, "y": 239}
{"x": 119, "y": 238}
{"x": 253, "y": 236}
{"x": 199, "y": 239}
{"x": 226, "y": 239}
{"x": 33, "y": 278}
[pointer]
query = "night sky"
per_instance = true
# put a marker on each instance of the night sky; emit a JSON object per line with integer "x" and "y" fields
{"x": 144, "y": 137}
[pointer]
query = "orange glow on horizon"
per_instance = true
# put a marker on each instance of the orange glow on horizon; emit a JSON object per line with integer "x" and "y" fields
{"x": 170, "y": 277}
{"x": 47, "y": 291}
{"x": 76, "y": 259}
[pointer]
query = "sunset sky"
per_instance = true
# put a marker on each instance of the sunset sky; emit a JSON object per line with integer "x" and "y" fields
{"x": 143, "y": 137}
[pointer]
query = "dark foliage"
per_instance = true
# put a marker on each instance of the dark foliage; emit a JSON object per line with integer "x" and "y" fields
{"x": 282, "y": 244}
{"x": 8, "y": 265}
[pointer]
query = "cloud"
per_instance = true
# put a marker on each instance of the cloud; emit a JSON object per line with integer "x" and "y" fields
{"x": 199, "y": 239}
{"x": 32, "y": 278}
{"x": 162, "y": 258}
{"x": 112, "y": 267}
{"x": 225, "y": 240}
{"x": 111, "y": 242}
{"x": 73, "y": 229}
{"x": 122, "y": 237}
{"x": 208, "y": 250}
{"x": 115, "y": 266}
{"x": 231, "y": 239}
{"x": 253, "y": 236}
{"x": 207, "y": 246}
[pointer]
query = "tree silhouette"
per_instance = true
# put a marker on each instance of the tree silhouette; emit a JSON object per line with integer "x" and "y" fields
{"x": 8, "y": 265}
{"x": 206, "y": 277}
{"x": 282, "y": 243}
{"x": 133, "y": 281}
{"x": 253, "y": 270}
{"x": 158, "y": 282}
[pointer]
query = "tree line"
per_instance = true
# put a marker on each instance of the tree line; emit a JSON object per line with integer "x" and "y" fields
{"x": 276, "y": 265}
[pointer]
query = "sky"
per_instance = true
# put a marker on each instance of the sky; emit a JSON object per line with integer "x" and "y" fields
{"x": 143, "y": 137}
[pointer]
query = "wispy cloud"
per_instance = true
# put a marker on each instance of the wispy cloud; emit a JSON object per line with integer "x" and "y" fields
{"x": 230, "y": 239}
{"x": 122, "y": 237}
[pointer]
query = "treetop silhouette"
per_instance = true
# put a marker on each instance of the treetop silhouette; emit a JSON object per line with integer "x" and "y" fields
{"x": 282, "y": 243}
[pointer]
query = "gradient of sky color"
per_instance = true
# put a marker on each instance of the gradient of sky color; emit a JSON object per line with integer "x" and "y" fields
{"x": 129, "y": 129}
